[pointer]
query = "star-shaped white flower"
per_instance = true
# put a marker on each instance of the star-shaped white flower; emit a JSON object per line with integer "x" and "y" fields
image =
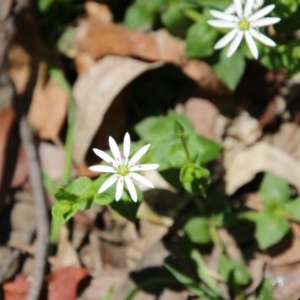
{"x": 124, "y": 169}
{"x": 244, "y": 22}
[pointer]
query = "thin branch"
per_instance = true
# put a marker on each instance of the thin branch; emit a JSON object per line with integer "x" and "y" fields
{"x": 42, "y": 229}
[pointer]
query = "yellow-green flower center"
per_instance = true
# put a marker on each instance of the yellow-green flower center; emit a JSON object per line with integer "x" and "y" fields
{"x": 244, "y": 24}
{"x": 123, "y": 170}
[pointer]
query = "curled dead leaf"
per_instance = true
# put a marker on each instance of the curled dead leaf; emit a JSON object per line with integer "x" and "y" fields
{"x": 262, "y": 157}
{"x": 95, "y": 92}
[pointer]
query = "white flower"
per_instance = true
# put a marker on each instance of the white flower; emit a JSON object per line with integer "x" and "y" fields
{"x": 244, "y": 23}
{"x": 256, "y": 5}
{"x": 124, "y": 169}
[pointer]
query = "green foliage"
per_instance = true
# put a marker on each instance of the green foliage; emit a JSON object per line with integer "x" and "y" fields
{"x": 272, "y": 223}
{"x": 194, "y": 178}
{"x": 270, "y": 228}
{"x": 142, "y": 13}
{"x": 166, "y": 143}
{"x": 233, "y": 272}
{"x": 231, "y": 69}
{"x": 188, "y": 19}
{"x": 200, "y": 39}
{"x": 265, "y": 290}
{"x": 197, "y": 229}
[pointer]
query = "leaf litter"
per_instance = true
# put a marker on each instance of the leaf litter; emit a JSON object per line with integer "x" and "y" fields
{"x": 100, "y": 243}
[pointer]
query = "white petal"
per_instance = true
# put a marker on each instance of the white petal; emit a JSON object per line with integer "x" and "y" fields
{"x": 251, "y": 44}
{"x": 248, "y": 8}
{"x": 230, "y": 9}
{"x": 262, "y": 38}
{"x": 234, "y": 44}
{"x": 144, "y": 167}
{"x": 108, "y": 183}
{"x": 265, "y": 22}
{"x": 120, "y": 187}
{"x": 224, "y": 16}
{"x": 102, "y": 169}
{"x": 126, "y": 145}
{"x": 137, "y": 156}
{"x": 131, "y": 188}
{"x": 261, "y": 13}
{"x": 114, "y": 150}
{"x": 221, "y": 24}
{"x": 238, "y": 7}
{"x": 226, "y": 39}
{"x": 141, "y": 179}
{"x": 104, "y": 156}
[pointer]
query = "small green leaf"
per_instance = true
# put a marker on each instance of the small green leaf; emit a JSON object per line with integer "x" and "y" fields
{"x": 270, "y": 228}
{"x": 107, "y": 196}
{"x": 175, "y": 20}
{"x": 186, "y": 281}
{"x": 274, "y": 191}
{"x": 79, "y": 186}
{"x": 202, "y": 149}
{"x": 294, "y": 208}
{"x": 194, "y": 178}
{"x": 64, "y": 210}
{"x": 203, "y": 272}
{"x": 266, "y": 290}
{"x": 230, "y": 69}
{"x": 162, "y": 128}
{"x": 233, "y": 272}
{"x": 138, "y": 16}
{"x": 200, "y": 39}
{"x": 197, "y": 229}
{"x": 126, "y": 207}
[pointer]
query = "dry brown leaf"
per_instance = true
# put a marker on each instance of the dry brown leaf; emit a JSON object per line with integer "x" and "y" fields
{"x": 95, "y": 92}
{"x": 16, "y": 289}
{"x": 48, "y": 107}
{"x": 262, "y": 157}
{"x": 52, "y": 159}
{"x": 203, "y": 115}
{"x": 63, "y": 283}
{"x": 118, "y": 40}
{"x": 99, "y": 11}
{"x": 287, "y": 281}
{"x": 13, "y": 168}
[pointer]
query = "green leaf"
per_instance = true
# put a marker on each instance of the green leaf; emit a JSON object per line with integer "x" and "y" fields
{"x": 293, "y": 208}
{"x": 271, "y": 227}
{"x": 175, "y": 20}
{"x": 203, "y": 272}
{"x": 202, "y": 149}
{"x": 219, "y": 4}
{"x": 194, "y": 178}
{"x": 186, "y": 281}
{"x": 138, "y": 16}
{"x": 79, "y": 186}
{"x": 266, "y": 290}
{"x": 200, "y": 39}
{"x": 230, "y": 70}
{"x": 162, "y": 128}
{"x": 64, "y": 210}
{"x": 126, "y": 207}
{"x": 197, "y": 229}
{"x": 107, "y": 196}
{"x": 274, "y": 191}
{"x": 233, "y": 272}
{"x": 44, "y": 5}
{"x": 142, "y": 13}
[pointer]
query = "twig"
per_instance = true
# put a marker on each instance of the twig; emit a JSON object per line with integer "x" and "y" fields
{"x": 40, "y": 208}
